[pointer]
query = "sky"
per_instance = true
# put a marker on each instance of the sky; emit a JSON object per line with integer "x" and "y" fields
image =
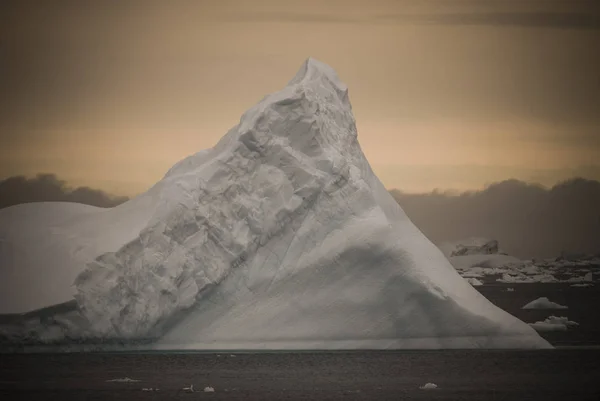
{"x": 447, "y": 94}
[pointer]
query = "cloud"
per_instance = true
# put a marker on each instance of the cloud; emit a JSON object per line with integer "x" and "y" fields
{"x": 48, "y": 188}
{"x": 557, "y": 20}
{"x": 528, "y": 220}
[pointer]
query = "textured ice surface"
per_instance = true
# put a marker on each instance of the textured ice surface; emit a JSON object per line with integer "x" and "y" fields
{"x": 278, "y": 237}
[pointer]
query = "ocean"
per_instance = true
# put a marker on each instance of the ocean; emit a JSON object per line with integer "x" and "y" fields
{"x": 564, "y": 374}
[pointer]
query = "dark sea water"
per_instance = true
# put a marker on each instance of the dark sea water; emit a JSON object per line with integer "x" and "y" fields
{"x": 559, "y": 374}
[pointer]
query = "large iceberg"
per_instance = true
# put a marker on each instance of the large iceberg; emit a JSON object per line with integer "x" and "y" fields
{"x": 279, "y": 237}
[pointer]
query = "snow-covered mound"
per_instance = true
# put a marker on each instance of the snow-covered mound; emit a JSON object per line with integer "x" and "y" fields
{"x": 278, "y": 237}
{"x": 45, "y": 246}
{"x": 543, "y": 303}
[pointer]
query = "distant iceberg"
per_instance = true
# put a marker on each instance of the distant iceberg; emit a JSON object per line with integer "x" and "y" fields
{"x": 279, "y": 237}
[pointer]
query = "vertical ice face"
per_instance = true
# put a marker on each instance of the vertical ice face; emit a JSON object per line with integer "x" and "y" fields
{"x": 281, "y": 236}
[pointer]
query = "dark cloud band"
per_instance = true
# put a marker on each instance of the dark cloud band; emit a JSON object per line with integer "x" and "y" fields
{"x": 528, "y": 220}
{"x": 48, "y": 188}
{"x": 567, "y": 20}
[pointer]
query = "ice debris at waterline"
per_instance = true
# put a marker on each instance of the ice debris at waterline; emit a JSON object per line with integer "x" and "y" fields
{"x": 279, "y": 237}
{"x": 123, "y": 380}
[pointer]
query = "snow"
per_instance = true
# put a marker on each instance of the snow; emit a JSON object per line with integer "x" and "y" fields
{"x": 553, "y": 323}
{"x": 279, "y": 237}
{"x": 543, "y": 303}
{"x": 429, "y": 386}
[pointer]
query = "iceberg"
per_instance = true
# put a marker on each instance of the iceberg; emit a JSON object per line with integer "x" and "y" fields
{"x": 278, "y": 237}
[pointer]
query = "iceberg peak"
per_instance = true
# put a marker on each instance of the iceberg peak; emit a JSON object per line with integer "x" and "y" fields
{"x": 314, "y": 70}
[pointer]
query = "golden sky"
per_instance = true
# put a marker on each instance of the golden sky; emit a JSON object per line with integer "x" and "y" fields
{"x": 448, "y": 94}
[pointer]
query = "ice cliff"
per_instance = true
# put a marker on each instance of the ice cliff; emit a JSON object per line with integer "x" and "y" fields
{"x": 279, "y": 237}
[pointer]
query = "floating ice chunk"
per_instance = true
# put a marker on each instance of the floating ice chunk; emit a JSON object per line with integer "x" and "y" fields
{"x": 123, "y": 380}
{"x": 553, "y": 323}
{"x": 582, "y": 285}
{"x": 474, "y": 282}
{"x": 510, "y": 289}
{"x": 429, "y": 386}
{"x": 544, "y": 303}
{"x": 209, "y": 389}
{"x": 471, "y": 274}
{"x": 189, "y": 389}
{"x": 544, "y": 327}
{"x": 561, "y": 320}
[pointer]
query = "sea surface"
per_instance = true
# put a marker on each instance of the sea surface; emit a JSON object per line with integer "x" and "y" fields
{"x": 561, "y": 374}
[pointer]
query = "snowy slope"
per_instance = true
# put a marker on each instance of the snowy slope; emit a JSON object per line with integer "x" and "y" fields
{"x": 44, "y": 246}
{"x": 278, "y": 237}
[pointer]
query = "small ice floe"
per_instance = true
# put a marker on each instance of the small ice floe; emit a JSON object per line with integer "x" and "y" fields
{"x": 209, "y": 389}
{"x": 582, "y": 285}
{"x": 510, "y": 289}
{"x": 429, "y": 386}
{"x": 232, "y": 356}
{"x": 189, "y": 389}
{"x": 553, "y": 323}
{"x": 543, "y": 303}
{"x": 149, "y": 389}
{"x": 123, "y": 380}
{"x": 474, "y": 282}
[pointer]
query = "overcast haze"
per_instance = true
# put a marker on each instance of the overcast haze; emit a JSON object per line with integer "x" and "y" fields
{"x": 446, "y": 94}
